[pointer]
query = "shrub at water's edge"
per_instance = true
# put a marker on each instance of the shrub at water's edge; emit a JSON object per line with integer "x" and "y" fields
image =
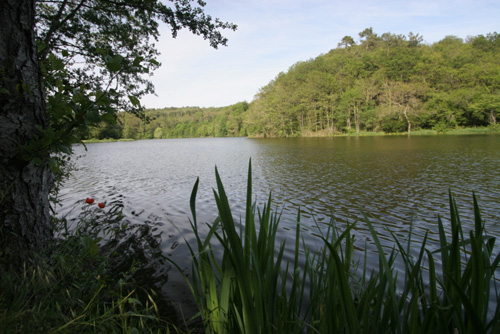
{"x": 489, "y": 130}
{"x": 102, "y": 275}
{"x": 252, "y": 289}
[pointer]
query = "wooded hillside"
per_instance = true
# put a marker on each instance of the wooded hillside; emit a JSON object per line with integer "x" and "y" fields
{"x": 389, "y": 83}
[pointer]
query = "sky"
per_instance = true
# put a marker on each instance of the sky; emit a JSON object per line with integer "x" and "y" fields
{"x": 273, "y": 35}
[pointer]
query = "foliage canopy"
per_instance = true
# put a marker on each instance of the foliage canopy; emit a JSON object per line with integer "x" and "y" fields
{"x": 387, "y": 83}
{"x": 66, "y": 65}
{"x": 390, "y": 83}
{"x": 96, "y": 56}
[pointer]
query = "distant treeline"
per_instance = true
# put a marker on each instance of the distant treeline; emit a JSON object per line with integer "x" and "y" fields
{"x": 177, "y": 123}
{"x": 390, "y": 83}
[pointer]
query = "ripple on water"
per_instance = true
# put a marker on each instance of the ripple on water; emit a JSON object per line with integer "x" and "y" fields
{"x": 395, "y": 181}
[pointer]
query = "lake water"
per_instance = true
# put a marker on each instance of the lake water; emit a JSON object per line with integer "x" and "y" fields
{"x": 395, "y": 180}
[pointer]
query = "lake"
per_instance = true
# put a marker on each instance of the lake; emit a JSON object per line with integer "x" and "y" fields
{"x": 396, "y": 180}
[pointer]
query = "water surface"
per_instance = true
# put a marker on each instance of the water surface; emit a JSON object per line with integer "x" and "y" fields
{"x": 396, "y": 181}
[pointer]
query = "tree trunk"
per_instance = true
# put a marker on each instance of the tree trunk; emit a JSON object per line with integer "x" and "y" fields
{"x": 357, "y": 119}
{"x": 405, "y": 112}
{"x": 24, "y": 183}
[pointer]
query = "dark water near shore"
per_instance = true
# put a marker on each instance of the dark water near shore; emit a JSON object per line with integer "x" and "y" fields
{"x": 395, "y": 180}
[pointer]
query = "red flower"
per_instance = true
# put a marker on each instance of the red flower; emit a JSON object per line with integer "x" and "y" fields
{"x": 89, "y": 200}
{"x": 101, "y": 205}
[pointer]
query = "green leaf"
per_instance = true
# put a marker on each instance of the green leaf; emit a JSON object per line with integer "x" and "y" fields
{"x": 134, "y": 100}
{"x": 137, "y": 61}
{"x": 57, "y": 64}
{"x": 114, "y": 64}
{"x": 65, "y": 149}
{"x": 92, "y": 116}
{"x": 40, "y": 45}
{"x": 108, "y": 118}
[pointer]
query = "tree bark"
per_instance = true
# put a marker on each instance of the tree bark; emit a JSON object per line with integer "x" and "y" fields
{"x": 405, "y": 112}
{"x": 357, "y": 119}
{"x": 493, "y": 117}
{"x": 24, "y": 183}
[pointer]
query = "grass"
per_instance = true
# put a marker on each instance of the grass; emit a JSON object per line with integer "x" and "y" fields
{"x": 90, "y": 280}
{"x": 492, "y": 129}
{"x": 252, "y": 289}
{"x": 474, "y": 131}
{"x": 427, "y": 132}
{"x": 107, "y": 140}
{"x": 458, "y": 131}
{"x": 489, "y": 130}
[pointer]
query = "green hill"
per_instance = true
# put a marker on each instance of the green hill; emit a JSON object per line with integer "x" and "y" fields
{"x": 390, "y": 83}
{"x": 387, "y": 83}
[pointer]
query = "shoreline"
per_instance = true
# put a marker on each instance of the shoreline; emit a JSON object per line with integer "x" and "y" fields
{"x": 452, "y": 132}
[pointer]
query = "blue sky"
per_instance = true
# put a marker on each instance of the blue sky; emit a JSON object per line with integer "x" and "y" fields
{"x": 272, "y": 35}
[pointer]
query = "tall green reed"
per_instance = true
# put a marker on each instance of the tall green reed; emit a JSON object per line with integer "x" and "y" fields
{"x": 252, "y": 289}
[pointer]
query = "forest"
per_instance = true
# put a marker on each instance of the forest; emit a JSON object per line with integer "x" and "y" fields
{"x": 177, "y": 123}
{"x": 381, "y": 83}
